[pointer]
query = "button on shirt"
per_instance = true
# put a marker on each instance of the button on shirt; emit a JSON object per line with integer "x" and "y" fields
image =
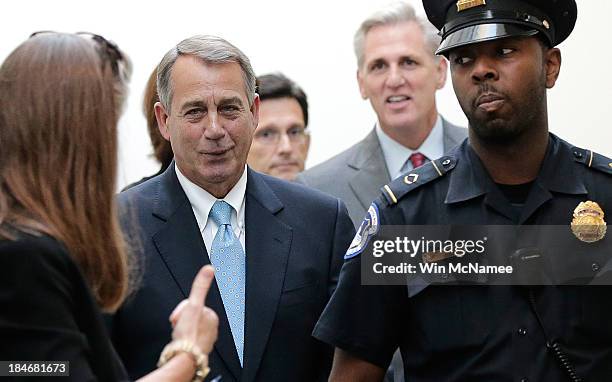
{"x": 202, "y": 202}
{"x": 396, "y": 154}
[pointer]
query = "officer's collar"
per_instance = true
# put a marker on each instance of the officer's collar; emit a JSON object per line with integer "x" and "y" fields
{"x": 470, "y": 179}
{"x": 558, "y": 173}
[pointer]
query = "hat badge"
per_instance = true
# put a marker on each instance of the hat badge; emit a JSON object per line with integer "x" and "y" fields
{"x": 588, "y": 224}
{"x": 462, "y": 5}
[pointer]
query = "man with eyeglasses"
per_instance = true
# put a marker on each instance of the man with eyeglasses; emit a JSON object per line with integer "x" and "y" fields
{"x": 281, "y": 141}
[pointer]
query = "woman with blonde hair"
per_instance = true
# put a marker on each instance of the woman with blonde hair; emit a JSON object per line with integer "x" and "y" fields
{"x": 62, "y": 255}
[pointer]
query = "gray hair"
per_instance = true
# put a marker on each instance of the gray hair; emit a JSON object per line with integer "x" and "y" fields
{"x": 395, "y": 13}
{"x": 211, "y": 50}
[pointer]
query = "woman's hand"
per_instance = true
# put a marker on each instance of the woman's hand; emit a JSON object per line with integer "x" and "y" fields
{"x": 193, "y": 323}
{"x": 191, "y": 319}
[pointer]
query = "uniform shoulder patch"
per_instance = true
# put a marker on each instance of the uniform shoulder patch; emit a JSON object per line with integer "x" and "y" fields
{"x": 368, "y": 228}
{"x": 397, "y": 189}
{"x": 592, "y": 160}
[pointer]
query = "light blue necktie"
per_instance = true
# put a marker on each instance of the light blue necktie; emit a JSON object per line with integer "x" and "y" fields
{"x": 228, "y": 258}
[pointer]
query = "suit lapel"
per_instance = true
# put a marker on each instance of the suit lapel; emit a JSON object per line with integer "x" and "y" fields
{"x": 372, "y": 173}
{"x": 182, "y": 249}
{"x": 453, "y": 135}
{"x": 268, "y": 242}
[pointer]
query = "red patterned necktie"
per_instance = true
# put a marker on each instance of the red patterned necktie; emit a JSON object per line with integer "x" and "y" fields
{"x": 417, "y": 159}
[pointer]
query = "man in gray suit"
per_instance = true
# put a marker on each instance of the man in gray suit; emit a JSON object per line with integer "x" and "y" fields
{"x": 400, "y": 74}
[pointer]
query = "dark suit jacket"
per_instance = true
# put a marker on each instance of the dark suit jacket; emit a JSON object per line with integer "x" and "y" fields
{"x": 357, "y": 174}
{"x": 47, "y": 312}
{"x": 295, "y": 242}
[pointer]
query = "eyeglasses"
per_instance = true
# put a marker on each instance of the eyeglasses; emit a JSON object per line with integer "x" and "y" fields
{"x": 109, "y": 52}
{"x": 271, "y": 137}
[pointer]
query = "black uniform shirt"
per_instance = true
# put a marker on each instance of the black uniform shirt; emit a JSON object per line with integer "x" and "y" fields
{"x": 482, "y": 333}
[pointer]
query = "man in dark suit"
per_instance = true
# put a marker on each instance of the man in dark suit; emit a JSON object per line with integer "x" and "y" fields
{"x": 400, "y": 74}
{"x": 276, "y": 246}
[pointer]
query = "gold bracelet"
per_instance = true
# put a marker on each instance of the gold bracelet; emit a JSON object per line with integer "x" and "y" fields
{"x": 200, "y": 359}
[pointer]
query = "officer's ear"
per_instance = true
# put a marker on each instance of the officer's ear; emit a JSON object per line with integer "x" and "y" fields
{"x": 442, "y": 69}
{"x": 552, "y": 65}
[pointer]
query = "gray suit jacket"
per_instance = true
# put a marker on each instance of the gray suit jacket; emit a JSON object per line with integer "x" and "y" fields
{"x": 356, "y": 175}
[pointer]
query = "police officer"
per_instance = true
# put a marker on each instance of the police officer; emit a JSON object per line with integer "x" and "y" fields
{"x": 511, "y": 171}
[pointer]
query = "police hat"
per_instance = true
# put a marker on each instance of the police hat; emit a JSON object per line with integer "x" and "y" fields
{"x": 463, "y": 22}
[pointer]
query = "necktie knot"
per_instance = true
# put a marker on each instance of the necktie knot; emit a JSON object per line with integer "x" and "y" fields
{"x": 417, "y": 159}
{"x": 221, "y": 213}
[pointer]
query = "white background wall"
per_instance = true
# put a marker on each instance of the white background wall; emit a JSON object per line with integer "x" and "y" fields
{"x": 311, "y": 42}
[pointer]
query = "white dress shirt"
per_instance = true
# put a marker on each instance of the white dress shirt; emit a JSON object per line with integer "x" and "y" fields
{"x": 396, "y": 154}
{"x": 202, "y": 202}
